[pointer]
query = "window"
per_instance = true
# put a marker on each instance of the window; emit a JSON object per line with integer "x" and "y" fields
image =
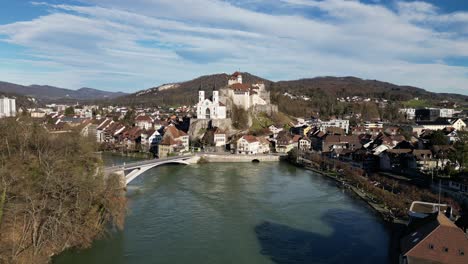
{"x": 461, "y": 252}
{"x": 431, "y": 246}
{"x": 445, "y": 249}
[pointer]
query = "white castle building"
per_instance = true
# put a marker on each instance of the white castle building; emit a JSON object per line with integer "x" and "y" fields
{"x": 246, "y": 95}
{"x": 210, "y": 108}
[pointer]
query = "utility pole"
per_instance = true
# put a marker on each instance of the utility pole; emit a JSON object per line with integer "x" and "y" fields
{"x": 439, "y": 193}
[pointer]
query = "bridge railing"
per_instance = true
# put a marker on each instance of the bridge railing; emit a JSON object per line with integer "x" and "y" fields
{"x": 146, "y": 162}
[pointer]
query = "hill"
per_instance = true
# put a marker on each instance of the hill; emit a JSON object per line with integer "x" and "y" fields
{"x": 351, "y": 86}
{"x": 182, "y": 93}
{"x": 50, "y": 93}
{"x": 21, "y": 100}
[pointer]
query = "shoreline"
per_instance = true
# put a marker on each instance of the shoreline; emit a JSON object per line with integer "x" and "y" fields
{"x": 384, "y": 213}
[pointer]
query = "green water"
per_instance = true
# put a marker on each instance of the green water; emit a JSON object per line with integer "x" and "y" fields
{"x": 239, "y": 213}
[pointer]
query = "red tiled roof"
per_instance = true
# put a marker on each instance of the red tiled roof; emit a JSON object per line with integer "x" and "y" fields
{"x": 176, "y": 133}
{"x": 241, "y": 87}
{"x": 296, "y": 138}
{"x": 250, "y": 138}
{"x": 438, "y": 241}
{"x": 143, "y": 118}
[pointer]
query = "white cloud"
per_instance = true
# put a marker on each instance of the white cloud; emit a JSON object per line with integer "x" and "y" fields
{"x": 142, "y": 43}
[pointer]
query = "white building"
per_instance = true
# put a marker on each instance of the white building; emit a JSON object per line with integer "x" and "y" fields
{"x": 446, "y": 112}
{"x": 410, "y": 113}
{"x": 340, "y": 123}
{"x": 144, "y": 122}
{"x": 248, "y": 145}
{"x": 442, "y": 123}
{"x": 7, "y": 107}
{"x": 210, "y": 108}
{"x": 219, "y": 138}
{"x": 246, "y": 95}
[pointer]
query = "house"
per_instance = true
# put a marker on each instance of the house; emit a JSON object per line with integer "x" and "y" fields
{"x": 443, "y": 123}
{"x": 214, "y": 137}
{"x": 150, "y": 139}
{"x": 132, "y": 138}
{"x": 178, "y": 134}
{"x": 168, "y": 146}
{"x": 248, "y": 144}
{"x": 359, "y": 130}
{"x": 304, "y": 144}
{"x": 345, "y": 142}
{"x": 397, "y": 160}
{"x": 435, "y": 239}
{"x": 285, "y": 142}
{"x": 220, "y": 138}
{"x": 424, "y": 159}
{"x": 275, "y": 130}
{"x": 409, "y": 113}
{"x": 264, "y": 146}
{"x": 339, "y": 123}
{"x": 144, "y": 122}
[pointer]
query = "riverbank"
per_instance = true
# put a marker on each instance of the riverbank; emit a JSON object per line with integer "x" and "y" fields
{"x": 227, "y": 157}
{"x": 380, "y": 209}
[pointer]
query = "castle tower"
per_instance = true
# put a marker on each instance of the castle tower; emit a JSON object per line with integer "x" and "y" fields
{"x": 239, "y": 78}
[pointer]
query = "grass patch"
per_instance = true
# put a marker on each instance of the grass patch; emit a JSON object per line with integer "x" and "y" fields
{"x": 421, "y": 103}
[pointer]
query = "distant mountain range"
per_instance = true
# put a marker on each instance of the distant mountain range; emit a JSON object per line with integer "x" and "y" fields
{"x": 185, "y": 93}
{"x": 51, "y": 93}
{"x": 330, "y": 87}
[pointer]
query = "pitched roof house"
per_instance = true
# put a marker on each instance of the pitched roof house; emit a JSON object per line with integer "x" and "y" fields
{"x": 437, "y": 240}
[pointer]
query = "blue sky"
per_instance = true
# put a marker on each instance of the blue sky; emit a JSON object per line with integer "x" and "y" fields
{"x": 121, "y": 45}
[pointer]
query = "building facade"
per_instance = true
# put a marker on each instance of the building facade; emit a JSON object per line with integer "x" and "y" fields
{"x": 7, "y": 107}
{"x": 210, "y": 108}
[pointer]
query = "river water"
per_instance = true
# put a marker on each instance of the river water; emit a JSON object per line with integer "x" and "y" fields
{"x": 239, "y": 213}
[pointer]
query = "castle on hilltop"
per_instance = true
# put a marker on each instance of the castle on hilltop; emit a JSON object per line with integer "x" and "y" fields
{"x": 246, "y": 95}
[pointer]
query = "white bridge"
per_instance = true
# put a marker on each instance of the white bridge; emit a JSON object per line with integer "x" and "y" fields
{"x": 132, "y": 170}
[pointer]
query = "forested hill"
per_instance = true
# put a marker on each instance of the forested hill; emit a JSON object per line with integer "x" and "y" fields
{"x": 51, "y": 93}
{"x": 328, "y": 88}
{"x": 352, "y": 86}
{"x": 182, "y": 93}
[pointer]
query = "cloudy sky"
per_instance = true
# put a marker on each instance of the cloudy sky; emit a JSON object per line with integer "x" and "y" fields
{"x": 131, "y": 45}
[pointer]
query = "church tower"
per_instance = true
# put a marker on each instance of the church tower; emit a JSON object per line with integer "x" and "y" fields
{"x": 215, "y": 95}
{"x": 201, "y": 95}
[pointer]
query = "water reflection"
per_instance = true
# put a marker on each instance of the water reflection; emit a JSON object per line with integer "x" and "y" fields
{"x": 287, "y": 245}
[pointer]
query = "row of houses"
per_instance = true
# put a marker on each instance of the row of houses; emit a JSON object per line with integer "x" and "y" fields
{"x": 165, "y": 141}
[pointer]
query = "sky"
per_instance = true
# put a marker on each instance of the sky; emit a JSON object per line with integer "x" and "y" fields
{"x": 121, "y": 45}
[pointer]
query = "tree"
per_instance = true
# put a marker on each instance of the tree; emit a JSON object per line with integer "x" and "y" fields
{"x": 51, "y": 193}
{"x": 438, "y": 138}
{"x": 69, "y": 111}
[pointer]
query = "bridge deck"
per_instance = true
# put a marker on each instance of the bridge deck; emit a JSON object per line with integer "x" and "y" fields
{"x": 134, "y": 165}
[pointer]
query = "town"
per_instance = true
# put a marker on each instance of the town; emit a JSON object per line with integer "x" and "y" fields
{"x": 416, "y": 159}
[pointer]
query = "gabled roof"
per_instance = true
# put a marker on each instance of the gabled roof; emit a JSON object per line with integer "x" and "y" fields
{"x": 176, "y": 133}
{"x": 436, "y": 241}
{"x": 144, "y": 118}
{"x": 250, "y": 138}
{"x": 241, "y": 87}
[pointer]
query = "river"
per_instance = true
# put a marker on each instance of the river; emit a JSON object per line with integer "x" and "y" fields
{"x": 239, "y": 213}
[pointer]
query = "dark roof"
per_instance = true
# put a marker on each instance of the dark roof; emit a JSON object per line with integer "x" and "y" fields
{"x": 439, "y": 121}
